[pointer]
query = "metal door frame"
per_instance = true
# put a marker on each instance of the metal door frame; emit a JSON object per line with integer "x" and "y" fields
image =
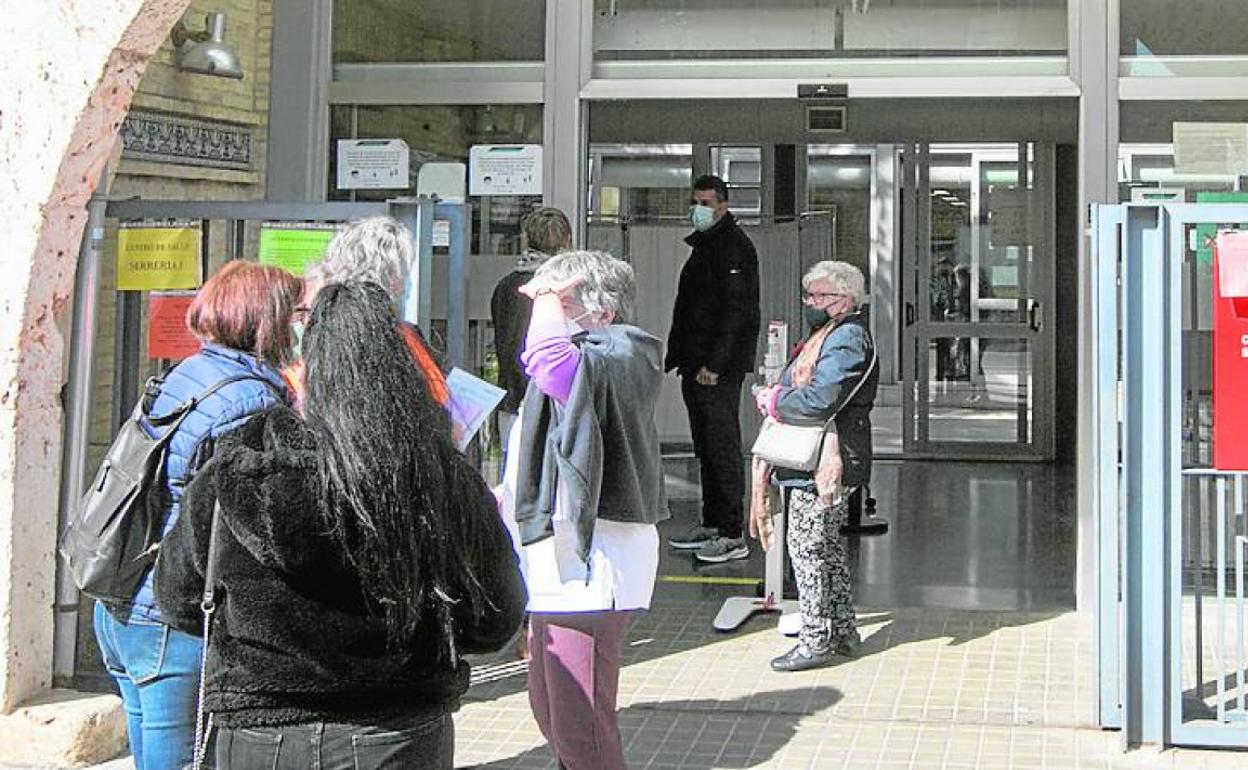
{"x": 418, "y": 214}
{"x": 914, "y": 224}
{"x": 1137, "y": 252}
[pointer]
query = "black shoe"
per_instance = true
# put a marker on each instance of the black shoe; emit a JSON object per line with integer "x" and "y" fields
{"x": 801, "y": 659}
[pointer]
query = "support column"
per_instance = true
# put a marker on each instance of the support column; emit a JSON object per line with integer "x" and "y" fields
{"x": 298, "y": 140}
{"x": 569, "y": 59}
{"x": 1094, "y": 66}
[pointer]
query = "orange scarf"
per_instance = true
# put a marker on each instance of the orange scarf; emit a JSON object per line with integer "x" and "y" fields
{"x": 827, "y": 474}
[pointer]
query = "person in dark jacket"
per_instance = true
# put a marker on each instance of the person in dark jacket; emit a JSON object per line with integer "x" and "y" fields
{"x": 242, "y": 317}
{"x": 712, "y": 347}
{"x": 834, "y": 375}
{"x": 359, "y": 557}
{"x": 546, "y": 233}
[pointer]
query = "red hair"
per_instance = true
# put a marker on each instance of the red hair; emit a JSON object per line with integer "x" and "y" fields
{"x": 247, "y": 307}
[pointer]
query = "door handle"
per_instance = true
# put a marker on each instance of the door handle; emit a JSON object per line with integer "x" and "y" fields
{"x": 909, "y": 314}
{"x": 1034, "y": 319}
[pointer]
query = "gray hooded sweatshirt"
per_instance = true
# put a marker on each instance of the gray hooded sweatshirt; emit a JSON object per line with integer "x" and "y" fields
{"x": 602, "y": 443}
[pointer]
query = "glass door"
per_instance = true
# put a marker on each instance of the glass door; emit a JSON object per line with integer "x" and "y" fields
{"x": 977, "y": 285}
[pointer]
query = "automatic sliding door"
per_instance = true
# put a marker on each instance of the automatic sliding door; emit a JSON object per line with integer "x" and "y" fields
{"x": 977, "y": 353}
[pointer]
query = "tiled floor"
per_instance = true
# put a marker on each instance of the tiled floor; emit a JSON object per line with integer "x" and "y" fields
{"x": 973, "y": 657}
{"x": 932, "y": 689}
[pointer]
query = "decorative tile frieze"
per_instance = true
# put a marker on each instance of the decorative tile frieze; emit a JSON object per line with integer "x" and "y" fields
{"x": 186, "y": 141}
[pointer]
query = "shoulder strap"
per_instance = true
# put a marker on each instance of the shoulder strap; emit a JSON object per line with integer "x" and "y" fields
{"x": 208, "y": 605}
{"x": 180, "y": 412}
{"x": 875, "y": 360}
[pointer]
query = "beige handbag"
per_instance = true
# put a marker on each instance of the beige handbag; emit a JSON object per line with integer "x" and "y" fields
{"x": 798, "y": 446}
{"x": 791, "y": 446}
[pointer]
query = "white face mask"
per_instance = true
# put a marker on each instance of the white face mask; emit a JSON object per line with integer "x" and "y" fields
{"x": 574, "y": 326}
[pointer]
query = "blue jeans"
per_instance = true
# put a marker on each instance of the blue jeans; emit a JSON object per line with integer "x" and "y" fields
{"x": 157, "y": 670}
{"x": 397, "y": 744}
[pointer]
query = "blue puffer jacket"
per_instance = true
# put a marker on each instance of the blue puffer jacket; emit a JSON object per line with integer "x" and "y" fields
{"x": 218, "y": 414}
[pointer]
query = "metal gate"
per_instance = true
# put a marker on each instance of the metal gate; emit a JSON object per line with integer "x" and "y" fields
{"x": 435, "y": 279}
{"x": 1171, "y": 530}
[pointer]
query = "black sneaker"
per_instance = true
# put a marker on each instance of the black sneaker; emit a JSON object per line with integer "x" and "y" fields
{"x": 722, "y": 549}
{"x": 801, "y": 659}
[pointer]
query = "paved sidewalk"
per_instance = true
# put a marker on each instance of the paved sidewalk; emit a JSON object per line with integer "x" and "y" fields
{"x": 932, "y": 689}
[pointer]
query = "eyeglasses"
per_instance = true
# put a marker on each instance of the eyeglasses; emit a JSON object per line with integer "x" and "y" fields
{"x": 820, "y": 296}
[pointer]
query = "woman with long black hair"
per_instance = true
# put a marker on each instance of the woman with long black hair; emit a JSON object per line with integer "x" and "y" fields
{"x": 358, "y": 556}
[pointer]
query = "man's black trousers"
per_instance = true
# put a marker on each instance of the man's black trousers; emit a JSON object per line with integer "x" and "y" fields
{"x": 714, "y": 423}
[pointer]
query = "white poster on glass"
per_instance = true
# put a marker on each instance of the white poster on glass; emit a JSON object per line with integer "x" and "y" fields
{"x": 505, "y": 169}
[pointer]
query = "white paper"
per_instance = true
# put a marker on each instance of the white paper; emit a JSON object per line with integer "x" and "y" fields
{"x": 505, "y": 169}
{"x": 472, "y": 399}
{"x": 373, "y": 164}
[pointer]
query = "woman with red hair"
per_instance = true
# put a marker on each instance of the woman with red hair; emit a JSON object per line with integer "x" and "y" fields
{"x": 242, "y": 318}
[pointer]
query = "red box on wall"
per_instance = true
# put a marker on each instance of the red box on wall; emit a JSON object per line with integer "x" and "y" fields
{"x": 1230, "y": 352}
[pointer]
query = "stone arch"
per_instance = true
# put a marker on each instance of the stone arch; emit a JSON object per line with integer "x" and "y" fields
{"x": 71, "y": 74}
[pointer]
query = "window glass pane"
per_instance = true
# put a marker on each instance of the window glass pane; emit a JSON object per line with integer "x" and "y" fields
{"x": 741, "y": 168}
{"x": 1208, "y": 27}
{"x": 700, "y": 29}
{"x": 445, "y": 133}
{"x": 438, "y": 30}
{"x": 640, "y": 182}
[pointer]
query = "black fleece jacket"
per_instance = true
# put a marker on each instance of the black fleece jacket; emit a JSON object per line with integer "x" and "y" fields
{"x": 292, "y": 640}
{"x": 715, "y": 320}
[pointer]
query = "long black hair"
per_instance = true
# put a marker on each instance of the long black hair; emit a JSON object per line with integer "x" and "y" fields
{"x": 388, "y": 470}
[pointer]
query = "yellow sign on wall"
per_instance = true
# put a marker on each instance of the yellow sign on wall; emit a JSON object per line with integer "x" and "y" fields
{"x": 158, "y": 258}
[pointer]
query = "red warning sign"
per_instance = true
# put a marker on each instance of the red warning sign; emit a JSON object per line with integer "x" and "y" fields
{"x": 167, "y": 334}
{"x": 1230, "y": 351}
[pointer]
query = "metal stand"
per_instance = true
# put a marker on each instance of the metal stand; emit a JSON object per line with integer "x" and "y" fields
{"x": 859, "y": 524}
{"x": 738, "y": 609}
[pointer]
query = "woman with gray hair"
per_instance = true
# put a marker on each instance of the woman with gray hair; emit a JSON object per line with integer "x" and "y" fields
{"x": 582, "y": 493}
{"x": 373, "y": 250}
{"x": 833, "y": 376}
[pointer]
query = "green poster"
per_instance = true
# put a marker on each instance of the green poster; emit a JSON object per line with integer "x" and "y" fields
{"x": 294, "y": 247}
{"x": 1206, "y": 233}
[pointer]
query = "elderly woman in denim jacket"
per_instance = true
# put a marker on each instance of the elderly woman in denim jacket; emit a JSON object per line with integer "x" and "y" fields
{"x": 833, "y": 376}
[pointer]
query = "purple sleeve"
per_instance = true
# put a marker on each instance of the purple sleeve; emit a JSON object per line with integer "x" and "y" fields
{"x": 550, "y": 358}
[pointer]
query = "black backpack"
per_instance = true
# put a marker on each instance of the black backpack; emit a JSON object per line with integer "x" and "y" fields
{"x": 115, "y": 534}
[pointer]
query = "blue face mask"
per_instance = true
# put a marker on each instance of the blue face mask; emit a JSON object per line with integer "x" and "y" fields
{"x": 702, "y": 217}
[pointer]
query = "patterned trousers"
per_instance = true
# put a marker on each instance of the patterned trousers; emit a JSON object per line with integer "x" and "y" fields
{"x": 821, "y": 566}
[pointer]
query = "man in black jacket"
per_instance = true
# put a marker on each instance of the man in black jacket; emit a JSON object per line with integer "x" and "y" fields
{"x": 712, "y": 346}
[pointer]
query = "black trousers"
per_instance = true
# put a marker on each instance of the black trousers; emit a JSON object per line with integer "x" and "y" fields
{"x": 398, "y": 744}
{"x": 714, "y": 423}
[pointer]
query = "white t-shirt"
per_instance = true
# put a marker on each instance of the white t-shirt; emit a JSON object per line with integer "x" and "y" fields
{"x": 623, "y": 558}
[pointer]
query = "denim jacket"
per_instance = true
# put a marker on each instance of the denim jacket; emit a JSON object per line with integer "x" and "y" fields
{"x": 843, "y": 361}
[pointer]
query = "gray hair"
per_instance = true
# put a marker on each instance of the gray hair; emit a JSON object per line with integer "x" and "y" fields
{"x": 607, "y": 282}
{"x": 376, "y": 249}
{"x": 844, "y": 278}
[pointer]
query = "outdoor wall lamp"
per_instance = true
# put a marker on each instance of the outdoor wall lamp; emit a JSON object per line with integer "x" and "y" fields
{"x": 204, "y": 52}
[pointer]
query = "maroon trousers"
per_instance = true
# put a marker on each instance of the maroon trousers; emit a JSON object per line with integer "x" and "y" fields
{"x": 574, "y": 677}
